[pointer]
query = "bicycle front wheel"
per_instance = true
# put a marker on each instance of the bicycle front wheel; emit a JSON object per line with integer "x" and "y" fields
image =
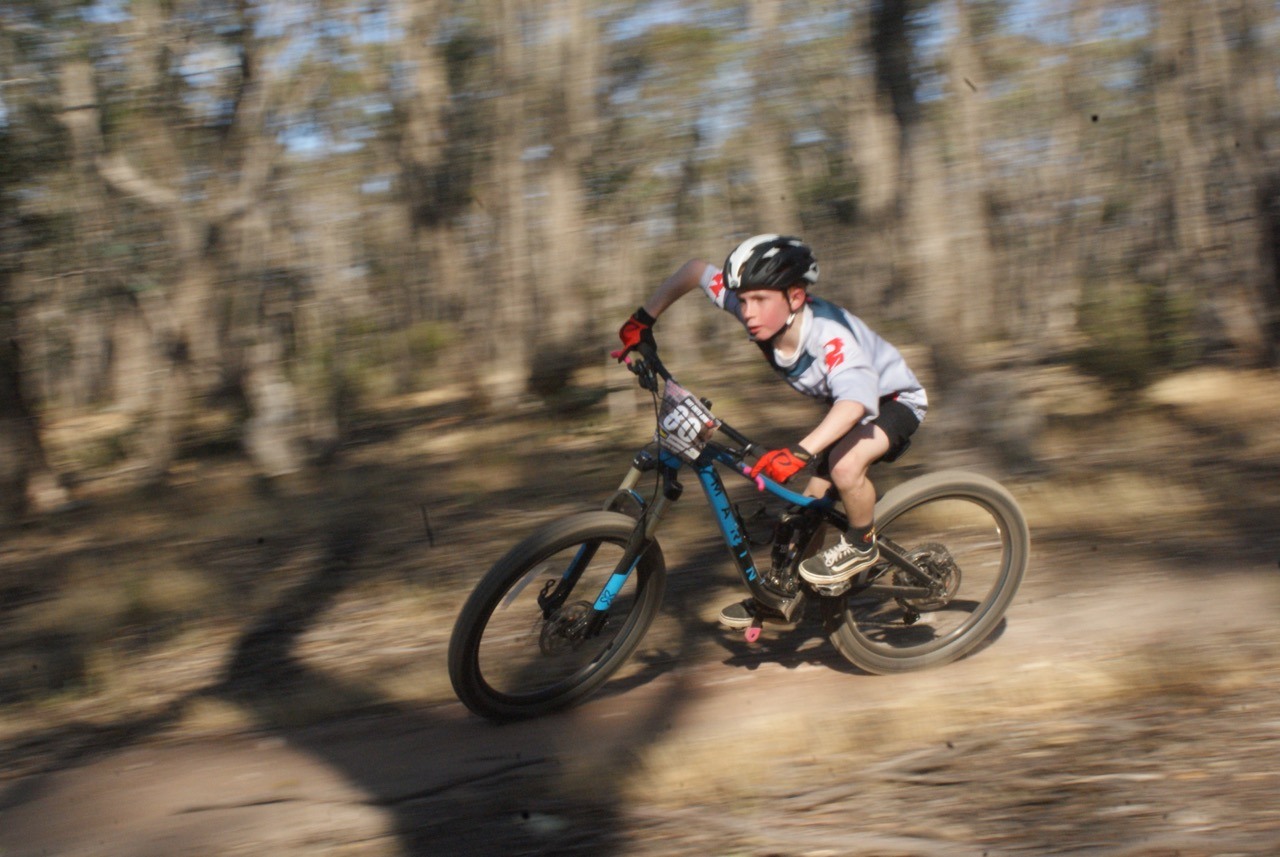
{"x": 969, "y": 533}
{"x": 510, "y": 658}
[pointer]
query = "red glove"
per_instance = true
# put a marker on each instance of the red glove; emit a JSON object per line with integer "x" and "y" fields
{"x": 637, "y": 330}
{"x": 781, "y": 464}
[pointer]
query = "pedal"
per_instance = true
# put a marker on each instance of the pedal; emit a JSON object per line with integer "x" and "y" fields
{"x": 753, "y": 630}
{"x": 832, "y": 590}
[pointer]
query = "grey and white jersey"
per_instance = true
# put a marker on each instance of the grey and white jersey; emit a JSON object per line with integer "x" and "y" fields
{"x": 840, "y": 358}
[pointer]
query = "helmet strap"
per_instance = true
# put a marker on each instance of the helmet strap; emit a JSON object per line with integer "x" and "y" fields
{"x": 791, "y": 317}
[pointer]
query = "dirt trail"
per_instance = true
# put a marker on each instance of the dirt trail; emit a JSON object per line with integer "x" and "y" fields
{"x": 1128, "y": 710}
{"x": 1130, "y": 705}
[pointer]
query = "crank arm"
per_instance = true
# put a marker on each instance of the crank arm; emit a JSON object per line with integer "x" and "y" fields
{"x": 881, "y": 590}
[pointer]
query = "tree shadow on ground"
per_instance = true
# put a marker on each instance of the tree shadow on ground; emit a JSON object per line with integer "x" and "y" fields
{"x": 518, "y": 788}
{"x": 449, "y": 782}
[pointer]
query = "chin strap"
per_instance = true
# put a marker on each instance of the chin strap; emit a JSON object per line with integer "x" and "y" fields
{"x": 791, "y": 319}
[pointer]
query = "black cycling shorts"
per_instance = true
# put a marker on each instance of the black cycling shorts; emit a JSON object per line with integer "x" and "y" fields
{"x": 896, "y": 420}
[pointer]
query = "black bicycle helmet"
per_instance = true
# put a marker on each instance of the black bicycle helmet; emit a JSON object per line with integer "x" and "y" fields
{"x": 770, "y": 262}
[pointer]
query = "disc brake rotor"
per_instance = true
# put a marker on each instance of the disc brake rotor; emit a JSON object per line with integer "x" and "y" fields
{"x": 564, "y": 630}
{"x": 937, "y": 560}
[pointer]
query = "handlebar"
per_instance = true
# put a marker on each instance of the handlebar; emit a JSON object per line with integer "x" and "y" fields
{"x": 649, "y": 367}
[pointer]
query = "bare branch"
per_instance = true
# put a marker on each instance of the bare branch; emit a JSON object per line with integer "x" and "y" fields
{"x": 122, "y": 176}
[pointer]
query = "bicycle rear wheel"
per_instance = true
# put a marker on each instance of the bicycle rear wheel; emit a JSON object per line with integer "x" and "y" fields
{"x": 967, "y": 531}
{"x": 511, "y": 659}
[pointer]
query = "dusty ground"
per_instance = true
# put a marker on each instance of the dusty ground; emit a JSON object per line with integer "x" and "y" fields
{"x": 221, "y": 671}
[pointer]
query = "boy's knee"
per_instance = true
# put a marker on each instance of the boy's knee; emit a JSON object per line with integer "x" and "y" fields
{"x": 849, "y": 471}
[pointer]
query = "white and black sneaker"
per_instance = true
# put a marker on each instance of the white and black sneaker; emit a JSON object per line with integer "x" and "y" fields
{"x": 741, "y": 614}
{"x": 840, "y": 562}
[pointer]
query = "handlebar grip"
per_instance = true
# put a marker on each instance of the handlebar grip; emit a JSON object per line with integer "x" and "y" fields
{"x": 647, "y": 367}
{"x": 649, "y": 354}
{"x": 736, "y": 436}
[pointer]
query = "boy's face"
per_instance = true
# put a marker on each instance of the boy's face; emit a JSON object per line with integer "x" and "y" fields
{"x": 765, "y": 311}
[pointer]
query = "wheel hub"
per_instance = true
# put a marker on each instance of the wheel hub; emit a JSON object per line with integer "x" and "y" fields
{"x": 565, "y": 629}
{"x": 937, "y": 560}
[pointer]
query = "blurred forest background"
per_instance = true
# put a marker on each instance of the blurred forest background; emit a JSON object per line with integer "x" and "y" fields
{"x": 233, "y": 221}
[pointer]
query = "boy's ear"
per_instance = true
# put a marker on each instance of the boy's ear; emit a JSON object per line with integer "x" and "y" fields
{"x": 796, "y": 297}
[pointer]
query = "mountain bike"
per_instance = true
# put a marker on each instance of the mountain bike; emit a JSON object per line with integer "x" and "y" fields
{"x": 556, "y": 616}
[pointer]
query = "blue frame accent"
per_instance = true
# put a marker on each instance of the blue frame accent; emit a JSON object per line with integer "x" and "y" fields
{"x": 717, "y": 497}
{"x": 713, "y": 487}
{"x": 613, "y": 587}
{"x": 722, "y": 456}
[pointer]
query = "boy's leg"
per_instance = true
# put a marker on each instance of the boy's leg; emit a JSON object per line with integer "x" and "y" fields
{"x": 856, "y": 551}
{"x": 741, "y": 614}
{"x": 817, "y": 486}
{"x": 850, "y": 461}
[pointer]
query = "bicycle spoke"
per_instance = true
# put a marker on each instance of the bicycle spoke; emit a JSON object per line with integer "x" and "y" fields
{"x": 958, "y": 542}
{"x": 956, "y": 549}
{"x": 523, "y": 653}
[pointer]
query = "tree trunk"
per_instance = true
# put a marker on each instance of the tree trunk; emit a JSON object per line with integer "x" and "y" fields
{"x": 510, "y": 278}
{"x": 1248, "y": 77}
{"x": 1197, "y": 98}
{"x": 909, "y": 224}
{"x": 981, "y": 291}
{"x": 875, "y": 155}
{"x": 929, "y": 264}
{"x": 565, "y": 257}
{"x": 27, "y": 484}
{"x": 436, "y": 262}
{"x": 768, "y": 139}
{"x": 874, "y": 138}
{"x": 185, "y": 354}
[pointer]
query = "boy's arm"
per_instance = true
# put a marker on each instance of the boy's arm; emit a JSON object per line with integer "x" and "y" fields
{"x": 783, "y": 463}
{"x": 687, "y": 278}
{"x": 638, "y": 329}
{"x": 842, "y": 417}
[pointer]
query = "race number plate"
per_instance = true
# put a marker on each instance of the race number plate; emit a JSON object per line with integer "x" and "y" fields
{"x": 684, "y": 425}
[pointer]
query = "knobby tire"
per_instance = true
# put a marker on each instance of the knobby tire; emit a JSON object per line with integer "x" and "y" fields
{"x": 884, "y": 643}
{"x": 500, "y": 665}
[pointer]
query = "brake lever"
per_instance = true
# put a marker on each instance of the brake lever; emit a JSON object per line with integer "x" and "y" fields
{"x": 644, "y": 372}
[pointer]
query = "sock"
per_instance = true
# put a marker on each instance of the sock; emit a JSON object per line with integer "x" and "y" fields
{"x": 861, "y": 535}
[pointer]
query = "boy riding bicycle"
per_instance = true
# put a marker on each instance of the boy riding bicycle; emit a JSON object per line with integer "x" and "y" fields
{"x": 825, "y": 352}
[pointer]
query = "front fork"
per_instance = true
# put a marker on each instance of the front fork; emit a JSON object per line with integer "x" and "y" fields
{"x": 555, "y": 593}
{"x": 647, "y": 515}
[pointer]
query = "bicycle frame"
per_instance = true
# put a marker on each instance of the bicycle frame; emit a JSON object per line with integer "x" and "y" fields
{"x": 596, "y": 577}
{"x": 730, "y": 525}
{"x": 731, "y": 528}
